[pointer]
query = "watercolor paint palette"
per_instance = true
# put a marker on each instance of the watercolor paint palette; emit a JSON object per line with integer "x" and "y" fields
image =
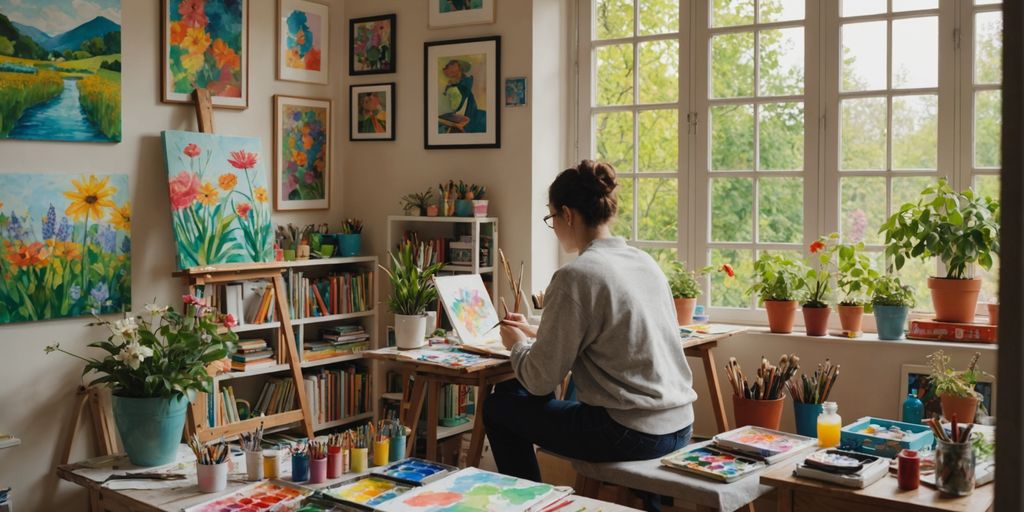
{"x": 366, "y": 492}
{"x": 762, "y": 443}
{"x": 415, "y": 471}
{"x": 268, "y": 496}
{"x": 704, "y": 460}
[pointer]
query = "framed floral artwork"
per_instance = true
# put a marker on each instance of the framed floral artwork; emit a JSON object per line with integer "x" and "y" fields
{"x": 372, "y": 44}
{"x": 372, "y": 112}
{"x": 302, "y": 41}
{"x": 453, "y": 13}
{"x": 206, "y": 44}
{"x": 462, "y": 93}
{"x": 302, "y": 153}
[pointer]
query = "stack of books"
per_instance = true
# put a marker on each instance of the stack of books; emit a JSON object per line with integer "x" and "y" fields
{"x": 249, "y": 354}
{"x": 338, "y": 393}
{"x": 336, "y": 341}
{"x": 738, "y": 453}
{"x": 277, "y": 396}
{"x": 337, "y": 294}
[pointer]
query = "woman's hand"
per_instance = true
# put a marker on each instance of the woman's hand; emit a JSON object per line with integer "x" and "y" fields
{"x": 519, "y": 321}
{"x": 511, "y": 335}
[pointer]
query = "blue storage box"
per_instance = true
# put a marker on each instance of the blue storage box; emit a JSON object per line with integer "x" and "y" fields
{"x": 853, "y": 438}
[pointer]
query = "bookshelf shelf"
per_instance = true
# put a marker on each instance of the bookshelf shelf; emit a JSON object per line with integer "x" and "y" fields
{"x": 332, "y": 318}
{"x": 467, "y": 269}
{"x": 257, "y": 327}
{"x": 391, "y": 396}
{"x": 283, "y": 367}
{"x": 344, "y": 421}
{"x": 446, "y": 432}
{"x": 332, "y": 360}
{"x": 458, "y": 220}
{"x": 329, "y": 262}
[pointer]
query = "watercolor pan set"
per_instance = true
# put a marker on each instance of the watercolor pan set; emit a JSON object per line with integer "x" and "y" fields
{"x": 414, "y": 471}
{"x": 704, "y": 460}
{"x": 267, "y": 496}
{"x": 366, "y": 492}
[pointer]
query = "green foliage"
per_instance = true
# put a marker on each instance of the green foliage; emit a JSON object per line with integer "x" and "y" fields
{"x": 951, "y": 382}
{"x": 21, "y": 91}
{"x": 161, "y": 354}
{"x": 101, "y": 101}
{"x": 959, "y": 227}
{"x": 889, "y": 291}
{"x": 412, "y": 282}
{"x": 417, "y": 202}
{"x": 778, "y": 277}
{"x": 6, "y": 46}
{"x": 820, "y": 271}
{"x": 685, "y": 284}
{"x": 856, "y": 278}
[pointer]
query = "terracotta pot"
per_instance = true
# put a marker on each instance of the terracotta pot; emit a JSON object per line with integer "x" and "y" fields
{"x": 816, "y": 320}
{"x": 963, "y": 407}
{"x": 684, "y": 309}
{"x": 759, "y": 413}
{"x": 954, "y": 299}
{"x": 850, "y": 317}
{"x": 781, "y": 315}
{"x": 993, "y": 314}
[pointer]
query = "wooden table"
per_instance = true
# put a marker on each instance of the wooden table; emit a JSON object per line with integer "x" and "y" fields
{"x": 806, "y": 495}
{"x": 701, "y": 345}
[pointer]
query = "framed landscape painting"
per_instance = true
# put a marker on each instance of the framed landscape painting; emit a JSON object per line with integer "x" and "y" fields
{"x": 372, "y": 112}
{"x": 462, "y": 93}
{"x": 60, "y": 70}
{"x": 206, "y": 44}
{"x": 302, "y": 153}
{"x": 372, "y": 45}
{"x": 452, "y": 13}
{"x": 303, "y": 41}
{"x": 65, "y": 246}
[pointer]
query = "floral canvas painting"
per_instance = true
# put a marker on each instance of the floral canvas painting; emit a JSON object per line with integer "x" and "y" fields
{"x": 60, "y": 70}
{"x": 372, "y": 112}
{"x": 303, "y": 41}
{"x": 206, "y": 45}
{"x": 65, "y": 246}
{"x": 220, "y": 208}
{"x": 372, "y": 45}
{"x": 463, "y": 91}
{"x": 302, "y": 140}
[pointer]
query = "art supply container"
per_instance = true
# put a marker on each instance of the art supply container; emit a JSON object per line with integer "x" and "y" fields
{"x": 381, "y": 452}
{"x": 318, "y": 471}
{"x": 254, "y": 469}
{"x": 346, "y": 460}
{"x": 360, "y": 459}
{"x": 954, "y": 468}
{"x": 335, "y": 464}
{"x": 908, "y": 470}
{"x": 271, "y": 463}
{"x": 350, "y": 244}
{"x": 214, "y": 477}
{"x": 759, "y": 413}
{"x": 830, "y": 425}
{"x": 913, "y": 409}
{"x": 463, "y": 208}
{"x": 300, "y": 467}
{"x": 398, "y": 446}
{"x": 807, "y": 418}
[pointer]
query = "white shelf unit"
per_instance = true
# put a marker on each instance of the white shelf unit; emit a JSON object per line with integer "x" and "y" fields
{"x": 248, "y": 384}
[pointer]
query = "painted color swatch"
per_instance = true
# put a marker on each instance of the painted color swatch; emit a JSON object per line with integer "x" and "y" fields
{"x": 370, "y": 491}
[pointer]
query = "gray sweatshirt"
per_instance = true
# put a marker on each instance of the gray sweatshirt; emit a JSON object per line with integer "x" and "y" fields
{"x": 609, "y": 317}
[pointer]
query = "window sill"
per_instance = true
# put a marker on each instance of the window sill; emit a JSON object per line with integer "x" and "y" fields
{"x": 868, "y": 338}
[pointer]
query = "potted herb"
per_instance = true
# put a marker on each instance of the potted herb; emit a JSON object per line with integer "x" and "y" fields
{"x": 417, "y": 204}
{"x": 153, "y": 363}
{"x": 350, "y": 240}
{"x": 961, "y": 229}
{"x": 955, "y": 388}
{"x": 779, "y": 283}
{"x": 685, "y": 286}
{"x": 856, "y": 282}
{"x": 891, "y": 301}
{"x": 816, "y": 308}
{"x": 412, "y": 293}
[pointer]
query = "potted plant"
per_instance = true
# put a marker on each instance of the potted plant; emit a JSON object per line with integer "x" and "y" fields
{"x": 891, "y": 300}
{"x": 816, "y": 308}
{"x": 955, "y": 388}
{"x": 412, "y": 293}
{"x": 153, "y": 363}
{"x": 416, "y": 204}
{"x": 961, "y": 229}
{"x": 856, "y": 283}
{"x": 685, "y": 286}
{"x": 350, "y": 239}
{"x": 779, "y": 283}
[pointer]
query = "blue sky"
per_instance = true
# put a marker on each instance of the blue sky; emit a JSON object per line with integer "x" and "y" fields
{"x": 36, "y": 192}
{"x": 58, "y": 16}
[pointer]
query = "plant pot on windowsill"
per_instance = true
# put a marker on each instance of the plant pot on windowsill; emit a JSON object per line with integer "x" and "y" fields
{"x": 684, "y": 309}
{"x": 993, "y": 313}
{"x": 955, "y": 300}
{"x": 851, "y": 317}
{"x": 891, "y": 321}
{"x": 816, "y": 319}
{"x": 964, "y": 407}
{"x": 781, "y": 315}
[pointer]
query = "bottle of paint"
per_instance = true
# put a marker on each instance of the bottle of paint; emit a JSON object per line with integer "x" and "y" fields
{"x": 908, "y": 470}
{"x": 829, "y": 425}
{"x": 913, "y": 409}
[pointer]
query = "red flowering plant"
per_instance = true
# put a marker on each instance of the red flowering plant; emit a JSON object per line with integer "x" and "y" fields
{"x": 820, "y": 272}
{"x": 685, "y": 284}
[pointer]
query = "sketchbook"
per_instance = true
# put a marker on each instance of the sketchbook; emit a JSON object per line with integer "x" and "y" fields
{"x": 769, "y": 446}
{"x": 705, "y": 460}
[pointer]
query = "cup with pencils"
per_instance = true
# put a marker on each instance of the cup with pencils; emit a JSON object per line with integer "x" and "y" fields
{"x": 211, "y": 464}
{"x": 954, "y": 457}
{"x": 300, "y": 461}
{"x": 381, "y": 443}
{"x": 362, "y": 437}
{"x": 337, "y": 454}
{"x": 317, "y": 461}
{"x": 759, "y": 403}
{"x": 252, "y": 445}
{"x": 809, "y": 394}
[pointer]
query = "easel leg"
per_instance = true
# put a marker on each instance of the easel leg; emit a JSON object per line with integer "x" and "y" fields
{"x": 715, "y": 390}
{"x": 419, "y": 390}
{"x": 476, "y": 443}
{"x": 433, "y": 402}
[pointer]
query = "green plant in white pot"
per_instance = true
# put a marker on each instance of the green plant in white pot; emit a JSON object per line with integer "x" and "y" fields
{"x": 412, "y": 293}
{"x": 155, "y": 363}
{"x": 891, "y": 301}
{"x": 961, "y": 229}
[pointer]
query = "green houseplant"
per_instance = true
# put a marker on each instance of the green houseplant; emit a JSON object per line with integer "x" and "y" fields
{"x": 412, "y": 293}
{"x": 153, "y": 363}
{"x": 818, "y": 283}
{"x": 417, "y": 203}
{"x": 955, "y": 388}
{"x": 891, "y": 300}
{"x": 856, "y": 283}
{"x": 961, "y": 229}
{"x": 778, "y": 282}
{"x": 685, "y": 286}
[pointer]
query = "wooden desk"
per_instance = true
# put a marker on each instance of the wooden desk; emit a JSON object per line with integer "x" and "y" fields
{"x": 701, "y": 345}
{"x": 805, "y": 495}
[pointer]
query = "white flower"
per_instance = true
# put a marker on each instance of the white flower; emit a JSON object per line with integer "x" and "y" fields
{"x": 156, "y": 310}
{"x": 126, "y": 328}
{"x": 132, "y": 354}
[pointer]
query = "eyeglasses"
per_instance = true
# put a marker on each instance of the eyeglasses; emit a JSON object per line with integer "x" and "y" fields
{"x": 548, "y": 220}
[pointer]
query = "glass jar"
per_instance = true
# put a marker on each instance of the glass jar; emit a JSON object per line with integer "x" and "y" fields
{"x": 954, "y": 468}
{"x": 829, "y": 425}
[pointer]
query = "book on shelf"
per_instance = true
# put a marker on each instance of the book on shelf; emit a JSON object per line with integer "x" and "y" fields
{"x": 338, "y": 393}
{"x": 428, "y": 252}
{"x": 251, "y": 353}
{"x": 336, "y": 294}
{"x": 319, "y": 351}
{"x": 277, "y": 396}
{"x": 457, "y": 401}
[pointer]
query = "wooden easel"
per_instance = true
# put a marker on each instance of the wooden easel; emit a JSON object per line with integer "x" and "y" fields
{"x": 102, "y": 422}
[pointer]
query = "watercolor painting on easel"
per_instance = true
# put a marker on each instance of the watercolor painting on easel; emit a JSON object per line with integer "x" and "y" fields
{"x": 468, "y": 305}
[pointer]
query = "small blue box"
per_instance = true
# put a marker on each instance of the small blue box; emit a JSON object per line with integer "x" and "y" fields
{"x": 851, "y": 438}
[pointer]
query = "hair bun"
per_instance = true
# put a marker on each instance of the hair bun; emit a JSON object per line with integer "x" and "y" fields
{"x": 598, "y": 177}
{"x": 588, "y": 188}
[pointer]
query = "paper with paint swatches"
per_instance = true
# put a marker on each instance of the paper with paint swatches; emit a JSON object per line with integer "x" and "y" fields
{"x": 473, "y": 489}
{"x": 370, "y": 491}
{"x": 415, "y": 471}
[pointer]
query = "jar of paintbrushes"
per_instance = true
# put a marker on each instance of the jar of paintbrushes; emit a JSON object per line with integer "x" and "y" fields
{"x": 954, "y": 458}
{"x": 760, "y": 403}
{"x": 317, "y": 461}
{"x": 337, "y": 454}
{"x": 252, "y": 446}
{"x": 211, "y": 464}
{"x": 300, "y": 461}
{"x": 809, "y": 393}
{"x": 362, "y": 437}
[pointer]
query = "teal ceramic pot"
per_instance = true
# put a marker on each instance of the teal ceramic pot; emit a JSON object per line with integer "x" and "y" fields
{"x": 463, "y": 208}
{"x": 891, "y": 321}
{"x": 150, "y": 428}
{"x": 807, "y": 418}
{"x": 350, "y": 244}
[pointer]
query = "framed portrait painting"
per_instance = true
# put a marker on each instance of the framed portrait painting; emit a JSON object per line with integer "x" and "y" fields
{"x": 372, "y": 112}
{"x": 462, "y": 93}
{"x": 914, "y": 378}
{"x": 453, "y": 13}
{"x": 302, "y": 41}
{"x": 206, "y": 44}
{"x": 302, "y": 153}
{"x": 372, "y": 44}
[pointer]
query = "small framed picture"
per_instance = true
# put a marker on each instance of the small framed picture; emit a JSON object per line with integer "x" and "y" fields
{"x": 372, "y": 112}
{"x": 462, "y": 93}
{"x": 372, "y": 44}
{"x": 454, "y": 13}
{"x": 914, "y": 378}
{"x": 302, "y": 153}
{"x": 303, "y": 41}
{"x": 515, "y": 91}
{"x": 206, "y": 44}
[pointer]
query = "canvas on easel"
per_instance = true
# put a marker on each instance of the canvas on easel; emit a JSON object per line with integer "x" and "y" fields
{"x": 471, "y": 312}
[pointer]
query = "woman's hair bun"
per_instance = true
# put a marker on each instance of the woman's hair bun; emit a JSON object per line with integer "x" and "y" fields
{"x": 599, "y": 175}
{"x": 588, "y": 188}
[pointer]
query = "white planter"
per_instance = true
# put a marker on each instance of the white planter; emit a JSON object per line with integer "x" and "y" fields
{"x": 431, "y": 323}
{"x": 409, "y": 331}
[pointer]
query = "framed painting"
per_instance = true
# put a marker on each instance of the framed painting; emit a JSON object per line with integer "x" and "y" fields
{"x": 206, "y": 44}
{"x": 220, "y": 208}
{"x": 372, "y": 112}
{"x": 302, "y": 153}
{"x": 914, "y": 377}
{"x": 303, "y": 41}
{"x": 515, "y": 91}
{"x": 453, "y": 13}
{"x": 60, "y": 70}
{"x": 372, "y": 44}
{"x": 461, "y": 93}
{"x": 65, "y": 246}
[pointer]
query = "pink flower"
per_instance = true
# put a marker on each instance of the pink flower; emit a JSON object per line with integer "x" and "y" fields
{"x": 243, "y": 159}
{"x": 192, "y": 150}
{"x": 229, "y": 321}
{"x": 243, "y": 209}
{"x": 191, "y": 300}
{"x": 184, "y": 188}
{"x": 309, "y": 177}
